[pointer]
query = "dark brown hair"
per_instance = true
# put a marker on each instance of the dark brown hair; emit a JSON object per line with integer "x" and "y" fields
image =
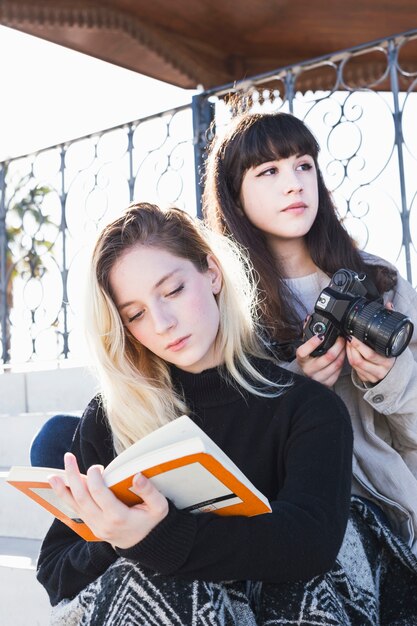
{"x": 250, "y": 140}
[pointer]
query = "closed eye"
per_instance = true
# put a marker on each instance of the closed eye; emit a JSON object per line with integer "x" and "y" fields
{"x": 140, "y": 314}
{"x": 176, "y": 291}
{"x": 137, "y": 316}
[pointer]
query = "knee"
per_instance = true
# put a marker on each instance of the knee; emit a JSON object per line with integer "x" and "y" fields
{"x": 52, "y": 440}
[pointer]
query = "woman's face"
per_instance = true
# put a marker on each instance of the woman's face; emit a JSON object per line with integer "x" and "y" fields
{"x": 169, "y": 306}
{"x": 281, "y": 197}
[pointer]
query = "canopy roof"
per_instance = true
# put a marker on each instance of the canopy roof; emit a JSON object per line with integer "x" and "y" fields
{"x": 213, "y": 42}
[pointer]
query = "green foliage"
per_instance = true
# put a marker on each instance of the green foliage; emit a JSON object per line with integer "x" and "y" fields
{"x": 26, "y": 243}
{"x": 25, "y": 229}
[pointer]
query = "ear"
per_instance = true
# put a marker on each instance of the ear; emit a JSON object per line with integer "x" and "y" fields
{"x": 215, "y": 274}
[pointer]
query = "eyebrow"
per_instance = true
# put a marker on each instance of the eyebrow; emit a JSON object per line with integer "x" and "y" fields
{"x": 160, "y": 282}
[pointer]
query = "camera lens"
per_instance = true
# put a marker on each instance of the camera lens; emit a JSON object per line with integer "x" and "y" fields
{"x": 401, "y": 339}
{"x": 387, "y": 332}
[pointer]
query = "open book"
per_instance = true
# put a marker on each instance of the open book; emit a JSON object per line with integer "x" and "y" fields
{"x": 182, "y": 462}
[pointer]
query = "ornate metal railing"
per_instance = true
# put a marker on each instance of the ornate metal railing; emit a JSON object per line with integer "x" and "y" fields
{"x": 52, "y": 202}
{"x": 361, "y": 104}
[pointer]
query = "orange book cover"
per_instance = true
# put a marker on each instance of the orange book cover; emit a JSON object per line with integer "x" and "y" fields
{"x": 192, "y": 471}
{"x": 41, "y": 492}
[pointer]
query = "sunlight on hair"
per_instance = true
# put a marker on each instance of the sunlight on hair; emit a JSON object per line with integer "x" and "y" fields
{"x": 136, "y": 386}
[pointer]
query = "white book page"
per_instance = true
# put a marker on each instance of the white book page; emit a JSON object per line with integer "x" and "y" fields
{"x": 177, "y": 430}
{"x": 113, "y": 475}
{"x": 49, "y": 496}
{"x": 38, "y": 474}
{"x": 194, "y": 487}
{"x": 181, "y": 428}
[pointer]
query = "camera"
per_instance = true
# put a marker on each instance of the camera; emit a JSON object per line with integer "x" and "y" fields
{"x": 352, "y": 306}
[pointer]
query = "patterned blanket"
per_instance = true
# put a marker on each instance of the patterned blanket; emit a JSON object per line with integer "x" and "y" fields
{"x": 373, "y": 583}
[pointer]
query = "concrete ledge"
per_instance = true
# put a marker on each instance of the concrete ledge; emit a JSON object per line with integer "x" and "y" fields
{"x": 21, "y": 517}
{"x": 27, "y": 399}
{"x": 12, "y": 393}
{"x": 23, "y": 601}
{"x": 17, "y": 432}
{"x": 59, "y": 390}
{"x": 15, "y": 548}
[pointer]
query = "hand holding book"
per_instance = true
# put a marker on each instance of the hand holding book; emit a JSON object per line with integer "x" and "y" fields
{"x": 180, "y": 460}
{"x": 108, "y": 517}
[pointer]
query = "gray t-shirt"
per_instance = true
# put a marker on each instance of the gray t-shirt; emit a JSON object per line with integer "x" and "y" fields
{"x": 306, "y": 290}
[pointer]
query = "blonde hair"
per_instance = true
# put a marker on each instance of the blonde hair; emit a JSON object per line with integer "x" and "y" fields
{"x": 136, "y": 387}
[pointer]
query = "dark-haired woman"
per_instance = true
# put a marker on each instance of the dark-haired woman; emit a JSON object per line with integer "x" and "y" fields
{"x": 264, "y": 188}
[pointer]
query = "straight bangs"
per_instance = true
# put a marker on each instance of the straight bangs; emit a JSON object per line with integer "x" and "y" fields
{"x": 258, "y": 138}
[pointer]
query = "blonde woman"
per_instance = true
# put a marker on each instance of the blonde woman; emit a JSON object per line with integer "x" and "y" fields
{"x": 170, "y": 322}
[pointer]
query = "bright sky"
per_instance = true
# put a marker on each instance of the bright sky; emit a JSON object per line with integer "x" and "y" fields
{"x": 51, "y": 94}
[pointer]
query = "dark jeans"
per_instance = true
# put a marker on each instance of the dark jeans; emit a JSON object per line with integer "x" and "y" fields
{"x": 52, "y": 441}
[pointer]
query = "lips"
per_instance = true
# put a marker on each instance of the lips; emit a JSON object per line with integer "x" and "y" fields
{"x": 295, "y": 205}
{"x": 177, "y": 344}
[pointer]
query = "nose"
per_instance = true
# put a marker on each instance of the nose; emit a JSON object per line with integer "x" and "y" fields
{"x": 293, "y": 182}
{"x": 163, "y": 320}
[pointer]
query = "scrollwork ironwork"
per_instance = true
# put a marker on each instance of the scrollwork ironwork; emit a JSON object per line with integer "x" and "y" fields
{"x": 53, "y": 202}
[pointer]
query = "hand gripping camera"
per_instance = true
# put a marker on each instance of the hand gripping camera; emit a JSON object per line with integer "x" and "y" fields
{"x": 351, "y": 305}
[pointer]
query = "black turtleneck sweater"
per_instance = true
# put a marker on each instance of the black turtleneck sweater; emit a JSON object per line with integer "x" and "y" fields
{"x": 296, "y": 449}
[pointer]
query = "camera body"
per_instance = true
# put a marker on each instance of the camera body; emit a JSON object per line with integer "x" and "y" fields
{"x": 352, "y": 306}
